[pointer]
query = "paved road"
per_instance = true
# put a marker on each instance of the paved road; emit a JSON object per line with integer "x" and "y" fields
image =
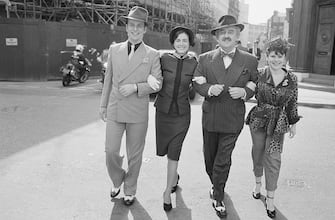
{"x": 52, "y": 163}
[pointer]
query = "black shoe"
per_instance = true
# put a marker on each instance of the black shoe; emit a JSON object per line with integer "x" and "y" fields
{"x": 167, "y": 207}
{"x": 271, "y": 214}
{"x": 256, "y": 195}
{"x": 174, "y": 188}
{"x": 128, "y": 200}
{"x": 219, "y": 208}
{"x": 115, "y": 192}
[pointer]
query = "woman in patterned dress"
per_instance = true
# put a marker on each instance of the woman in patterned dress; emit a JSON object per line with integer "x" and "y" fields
{"x": 172, "y": 104}
{"x": 275, "y": 114}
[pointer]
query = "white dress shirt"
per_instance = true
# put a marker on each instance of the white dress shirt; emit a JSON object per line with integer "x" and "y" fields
{"x": 226, "y": 59}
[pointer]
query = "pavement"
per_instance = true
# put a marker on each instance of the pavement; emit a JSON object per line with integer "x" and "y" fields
{"x": 65, "y": 178}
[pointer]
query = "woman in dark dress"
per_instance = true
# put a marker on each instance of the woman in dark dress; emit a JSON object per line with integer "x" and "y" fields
{"x": 173, "y": 105}
{"x": 275, "y": 114}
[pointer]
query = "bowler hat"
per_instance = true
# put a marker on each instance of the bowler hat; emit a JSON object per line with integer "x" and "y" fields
{"x": 227, "y": 21}
{"x": 137, "y": 13}
{"x": 189, "y": 32}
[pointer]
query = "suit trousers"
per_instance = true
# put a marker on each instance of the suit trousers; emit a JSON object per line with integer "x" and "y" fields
{"x": 262, "y": 161}
{"x": 218, "y": 148}
{"x": 135, "y": 139}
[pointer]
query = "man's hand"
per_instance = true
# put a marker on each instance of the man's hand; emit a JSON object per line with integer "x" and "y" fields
{"x": 127, "y": 89}
{"x": 153, "y": 82}
{"x": 103, "y": 113}
{"x": 199, "y": 80}
{"x": 236, "y": 92}
{"x": 216, "y": 89}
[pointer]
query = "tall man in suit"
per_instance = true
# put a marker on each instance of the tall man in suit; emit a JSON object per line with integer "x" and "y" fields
{"x": 224, "y": 76}
{"x": 125, "y": 101}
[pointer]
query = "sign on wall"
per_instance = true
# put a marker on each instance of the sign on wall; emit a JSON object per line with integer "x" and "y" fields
{"x": 71, "y": 42}
{"x": 11, "y": 42}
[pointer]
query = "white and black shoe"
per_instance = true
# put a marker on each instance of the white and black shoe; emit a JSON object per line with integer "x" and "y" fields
{"x": 115, "y": 192}
{"x": 219, "y": 208}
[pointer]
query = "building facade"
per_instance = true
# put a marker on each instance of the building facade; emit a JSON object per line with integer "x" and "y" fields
{"x": 312, "y": 33}
{"x": 243, "y": 19}
{"x": 220, "y": 7}
{"x": 277, "y": 25}
{"x": 256, "y": 32}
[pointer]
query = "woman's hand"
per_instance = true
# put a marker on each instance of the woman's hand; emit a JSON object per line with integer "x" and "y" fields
{"x": 103, "y": 113}
{"x": 153, "y": 82}
{"x": 292, "y": 130}
{"x": 199, "y": 80}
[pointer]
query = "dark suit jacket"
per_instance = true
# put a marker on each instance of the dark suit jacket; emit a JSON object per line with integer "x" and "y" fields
{"x": 222, "y": 113}
{"x": 165, "y": 96}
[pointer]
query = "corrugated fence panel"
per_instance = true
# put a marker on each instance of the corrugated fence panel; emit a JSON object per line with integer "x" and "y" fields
{"x": 11, "y": 51}
{"x": 31, "y": 49}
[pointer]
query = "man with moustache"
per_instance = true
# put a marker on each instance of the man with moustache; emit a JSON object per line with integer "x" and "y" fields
{"x": 224, "y": 76}
{"x": 125, "y": 102}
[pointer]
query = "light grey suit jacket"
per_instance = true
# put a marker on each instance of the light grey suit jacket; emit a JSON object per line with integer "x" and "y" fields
{"x": 121, "y": 71}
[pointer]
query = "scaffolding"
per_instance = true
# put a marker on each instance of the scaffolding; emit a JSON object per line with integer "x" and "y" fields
{"x": 163, "y": 14}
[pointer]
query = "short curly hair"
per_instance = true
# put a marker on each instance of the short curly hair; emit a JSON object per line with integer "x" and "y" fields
{"x": 278, "y": 45}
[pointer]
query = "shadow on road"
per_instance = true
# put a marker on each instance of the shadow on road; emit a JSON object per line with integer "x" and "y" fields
{"x": 181, "y": 211}
{"x": 231, "y": 211}
{"x": 121, "y": 211}
{"x": 279, "y": 215}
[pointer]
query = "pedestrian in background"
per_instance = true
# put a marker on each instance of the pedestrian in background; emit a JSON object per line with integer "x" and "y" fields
{"x": 224, "y": 77}
{"x": 275, "y": 114}
{"x": 125, "y": 100}
{"x": 173, "y": 112}
{"x": 254, "y": 49}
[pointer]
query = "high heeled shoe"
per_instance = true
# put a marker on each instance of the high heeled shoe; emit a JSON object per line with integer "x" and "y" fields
{"x": 174, "y": 188}
{"x": 256, "y": 195}
{"x": 167, "y": 207}
{"x": 270, "y": 213}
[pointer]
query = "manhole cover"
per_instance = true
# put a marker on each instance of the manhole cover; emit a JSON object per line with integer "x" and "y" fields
{"x": 296, "y": 183}
{"x": 12, "y": 109}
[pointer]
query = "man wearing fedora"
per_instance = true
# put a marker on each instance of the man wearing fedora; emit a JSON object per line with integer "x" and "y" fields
{"x": 224, "y": 76}
{"x": 125, "y": 102}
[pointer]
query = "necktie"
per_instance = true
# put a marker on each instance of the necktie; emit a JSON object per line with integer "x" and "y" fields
{"x": 132, "y": 50}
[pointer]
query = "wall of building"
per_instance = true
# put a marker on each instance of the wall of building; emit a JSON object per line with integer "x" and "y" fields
{"x": 31, "y": 49}
{"x": 303, "y": 35}
{"x": 220, "y": 8}
{"x": 243, "y": 18}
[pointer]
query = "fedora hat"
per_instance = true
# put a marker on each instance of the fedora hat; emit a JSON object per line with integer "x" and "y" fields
{"x": 137, "y": 13}
{"x": 189, "y": 32}
{"x": 227, "y": 21}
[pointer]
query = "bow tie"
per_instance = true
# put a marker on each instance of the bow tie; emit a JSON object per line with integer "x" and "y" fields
{"x": 231, "y": 55}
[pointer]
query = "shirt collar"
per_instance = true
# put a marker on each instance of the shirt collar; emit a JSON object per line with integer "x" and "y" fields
{"x": 232, "y": 51}
{"x": 178, "y": 56}
{"x": 136, "y": 45}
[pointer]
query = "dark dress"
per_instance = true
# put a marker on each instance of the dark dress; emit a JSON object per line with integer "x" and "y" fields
{"x": 173, "y": 105}
{"x": 276, "y": 107}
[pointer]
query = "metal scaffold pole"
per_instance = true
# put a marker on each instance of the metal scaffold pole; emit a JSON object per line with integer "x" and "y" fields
{"x": 163, "y": 14}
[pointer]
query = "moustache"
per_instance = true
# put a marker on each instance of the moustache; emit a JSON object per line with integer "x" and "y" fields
{"x": 226, "y": 38}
